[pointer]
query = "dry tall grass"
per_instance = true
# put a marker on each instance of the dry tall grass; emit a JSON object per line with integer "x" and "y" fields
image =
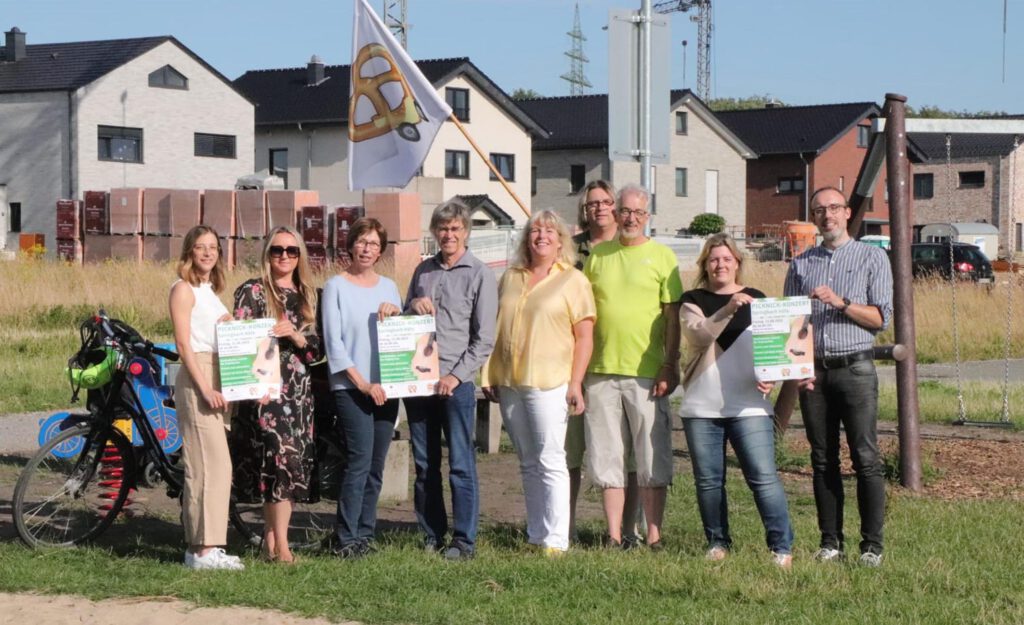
{"x": 29, "y": 291}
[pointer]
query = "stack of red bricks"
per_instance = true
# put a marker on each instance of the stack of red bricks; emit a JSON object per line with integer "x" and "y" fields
{"x": 149, "y": 224}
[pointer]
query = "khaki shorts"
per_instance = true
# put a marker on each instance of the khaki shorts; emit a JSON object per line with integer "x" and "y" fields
{"x": 622, "y": 416}
{"x": 576, "y": 445}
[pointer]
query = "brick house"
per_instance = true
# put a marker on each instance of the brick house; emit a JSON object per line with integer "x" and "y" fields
{"x": 94, "y": 115}
{"x": 803, "y": 148}
{"x": 706, "y": 171}
{"x": 982, "y": 183}
{"x": 302, "y": 136}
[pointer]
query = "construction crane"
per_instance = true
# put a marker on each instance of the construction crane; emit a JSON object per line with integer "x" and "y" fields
{"x": 703, "y": 19}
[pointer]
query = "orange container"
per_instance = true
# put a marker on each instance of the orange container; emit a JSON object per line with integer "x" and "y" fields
{"x": 800, "y": 237}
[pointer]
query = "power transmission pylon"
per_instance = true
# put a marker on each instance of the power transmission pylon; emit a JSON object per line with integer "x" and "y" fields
{"x": 395, "y": 19}
{"x": 578, "y": 82}
{"x": 704, "y": 27}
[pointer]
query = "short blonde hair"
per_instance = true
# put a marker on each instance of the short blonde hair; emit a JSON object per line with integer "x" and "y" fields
{"x": 551, "y": 219}
{"x": 717, "y": 240}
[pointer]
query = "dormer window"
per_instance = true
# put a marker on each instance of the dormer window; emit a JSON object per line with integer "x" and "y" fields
{"x": 168, "y": 78}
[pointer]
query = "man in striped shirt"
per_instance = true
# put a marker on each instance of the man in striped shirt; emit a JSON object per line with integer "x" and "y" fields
{"x": 850, "y": 284}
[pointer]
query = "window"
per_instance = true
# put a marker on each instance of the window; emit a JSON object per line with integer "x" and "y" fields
{"x": 279, "y": 164}
{"x": 120, "y": 144}
{"x": 168, "y": 78}
{"x": 533, "y": 180}
{"x": 791, "y": 185}
{"x": 577, "y": 178}
{"x": 863, "y": 136}
{"x": 924, "y": 186}
{"x": 219, "y": 146}
{"x": 972, "y": 179}
{"x": 681, "y": 122}
{"x": 506, "y": 166}
{"x": 15, "y": 211}
{"x": 680, "y": 182}
{"x": 458, "y": 99}
{"x": 456, "y": 164}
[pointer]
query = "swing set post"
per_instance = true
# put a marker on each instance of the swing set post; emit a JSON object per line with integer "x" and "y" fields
{"x": 900, "y": 228}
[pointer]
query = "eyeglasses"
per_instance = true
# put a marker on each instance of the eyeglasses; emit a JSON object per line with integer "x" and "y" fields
{"x": 450, "y": 229}
{"x": 200, "y": 249}
{"x": 833, "y": 209}
{"x": 277, "y": 251}
{"x": 596, "y": 204}
{"x": 367, "y": 245}
{"x": 639, "y": 213}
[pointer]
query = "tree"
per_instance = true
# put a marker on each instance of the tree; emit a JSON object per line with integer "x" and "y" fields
{"x": 525, "y": 94}
{"x": 707, "y": 223}
{"x": 741, "y": 104}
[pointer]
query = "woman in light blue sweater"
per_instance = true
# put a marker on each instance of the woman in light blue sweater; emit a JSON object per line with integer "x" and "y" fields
{"x": 351, "y": 303}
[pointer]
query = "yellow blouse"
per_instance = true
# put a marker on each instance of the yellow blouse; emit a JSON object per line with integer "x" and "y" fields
{"x": 535, "y": 341}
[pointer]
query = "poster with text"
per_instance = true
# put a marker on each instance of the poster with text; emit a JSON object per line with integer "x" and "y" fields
{"x": 783, "y": 338}
{"x": 409, "y": 365}
{"x": 249, "y": 359}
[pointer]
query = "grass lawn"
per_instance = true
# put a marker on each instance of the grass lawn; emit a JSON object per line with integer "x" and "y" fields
{"x": 945, "y": 563}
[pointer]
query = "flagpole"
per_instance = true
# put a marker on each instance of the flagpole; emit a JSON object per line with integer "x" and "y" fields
{"x": 490, "y": 165}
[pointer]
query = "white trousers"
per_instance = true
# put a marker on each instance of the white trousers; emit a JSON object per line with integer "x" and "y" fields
{"x": 536, "y": 421}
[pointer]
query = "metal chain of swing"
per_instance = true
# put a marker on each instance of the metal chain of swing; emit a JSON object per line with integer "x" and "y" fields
{"x": 952, "y": 277}
{"x": 1010, "y": 281}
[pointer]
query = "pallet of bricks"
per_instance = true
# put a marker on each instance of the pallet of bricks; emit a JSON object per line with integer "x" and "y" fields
{"x": 150, "y": 224}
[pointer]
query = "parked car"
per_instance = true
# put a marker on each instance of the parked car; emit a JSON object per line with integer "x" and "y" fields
{"x": 932, "y": 259}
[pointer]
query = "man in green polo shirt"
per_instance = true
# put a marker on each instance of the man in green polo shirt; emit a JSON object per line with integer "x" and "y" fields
{"x": 635, "y": 365}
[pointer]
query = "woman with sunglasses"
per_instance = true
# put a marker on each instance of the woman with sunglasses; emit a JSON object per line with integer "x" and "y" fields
{"x": 352, "y": 303}
{"x": 723, "y": 402}
{"x": 203, "y": 415}
{"x": 272, "y": 443}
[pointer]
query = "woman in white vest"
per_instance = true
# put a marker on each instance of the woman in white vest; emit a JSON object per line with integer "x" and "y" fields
{"x": 203, "y": 415}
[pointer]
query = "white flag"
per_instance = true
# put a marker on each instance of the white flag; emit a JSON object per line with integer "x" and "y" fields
{"x": 393, "y": 111}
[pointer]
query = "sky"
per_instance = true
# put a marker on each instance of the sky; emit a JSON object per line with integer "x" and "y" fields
{"x": 946, "y": 53}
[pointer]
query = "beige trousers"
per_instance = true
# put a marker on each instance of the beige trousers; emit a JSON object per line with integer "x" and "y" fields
{"x": 204, "y": 453}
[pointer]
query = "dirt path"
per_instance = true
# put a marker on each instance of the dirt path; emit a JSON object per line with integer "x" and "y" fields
{"x": 69, "y": 610}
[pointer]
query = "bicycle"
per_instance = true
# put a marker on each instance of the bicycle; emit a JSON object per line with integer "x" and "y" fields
{"x": 83, "y": 476}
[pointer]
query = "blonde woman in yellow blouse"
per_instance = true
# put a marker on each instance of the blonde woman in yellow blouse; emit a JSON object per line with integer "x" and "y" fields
{"x": 545, "y": 328}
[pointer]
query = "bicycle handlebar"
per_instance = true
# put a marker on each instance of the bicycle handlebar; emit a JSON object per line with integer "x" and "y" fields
{"x": 130, "y": 338}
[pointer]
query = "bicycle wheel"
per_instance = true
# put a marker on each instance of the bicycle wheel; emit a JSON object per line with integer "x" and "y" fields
{"x": 61, "y": 501}
{"x": 312, "y": 523}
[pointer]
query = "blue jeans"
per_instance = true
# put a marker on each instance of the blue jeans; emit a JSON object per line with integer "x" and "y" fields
{"x": 366, "y": 430}
{"x": 846, "y": 397}
{"x": 753, "y": 440}
{"x": 455, "y": 417}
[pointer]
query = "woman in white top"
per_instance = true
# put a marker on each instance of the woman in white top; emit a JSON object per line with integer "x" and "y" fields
{"x": 203, "y": 416}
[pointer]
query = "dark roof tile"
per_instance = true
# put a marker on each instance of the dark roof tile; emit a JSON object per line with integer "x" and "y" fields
{"x": 66, "y": 66}
{"x": 795, "y": 129}
{"x": 974, "y": 145}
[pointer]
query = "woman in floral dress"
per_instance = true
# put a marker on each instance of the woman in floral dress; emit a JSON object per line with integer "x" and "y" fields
{"x": 272, "y": 440}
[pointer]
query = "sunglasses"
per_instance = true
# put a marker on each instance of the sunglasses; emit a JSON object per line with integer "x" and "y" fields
{"x": 277, "y": 251}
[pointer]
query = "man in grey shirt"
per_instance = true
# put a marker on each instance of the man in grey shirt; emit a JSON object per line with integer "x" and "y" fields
{"x": 850, "y": 284}
{"x": 462, "y": 294}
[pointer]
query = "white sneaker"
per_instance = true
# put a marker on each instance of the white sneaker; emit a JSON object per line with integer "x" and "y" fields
{"x": 873, "y": 560}
{"x": 828, "y": 554}
{"x": 716, "y": 554}
{"x": 782, "y": 560}
{"x": 215, "y": 558}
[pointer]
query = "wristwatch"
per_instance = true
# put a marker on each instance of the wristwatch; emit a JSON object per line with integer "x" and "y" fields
{"x": 846, "y": 304}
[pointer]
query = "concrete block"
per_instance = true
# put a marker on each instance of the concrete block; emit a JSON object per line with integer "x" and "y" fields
{"x": 283, "y": 207}
{"x": 96, "y": 213}
{"x": 156, "y": 211}
{"x": 251, "y": 214}
{"x": 395, "y": 485}
{"x": 186, "y": 207}
{"x": 219, "y": 211}
{"x": 488, "y": 425}
{"x": 399, "y": 213}
{"x": 69, "y": 219}
{"x": 161, "y": 249}
{"x": 125, "y": 211}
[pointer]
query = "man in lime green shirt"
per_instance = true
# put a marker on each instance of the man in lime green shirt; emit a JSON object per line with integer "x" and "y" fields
{"x": 635, "y": 365}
